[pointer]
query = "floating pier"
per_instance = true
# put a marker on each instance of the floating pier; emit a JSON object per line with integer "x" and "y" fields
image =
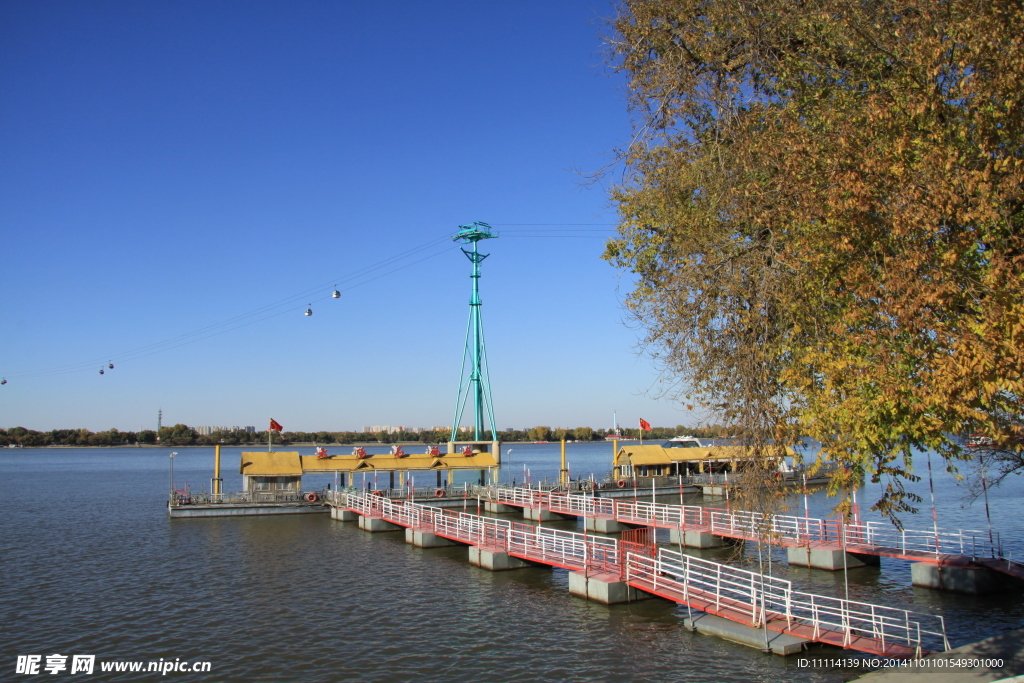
{"x": 759, "y": 608}
{"x": 955, "y": 560}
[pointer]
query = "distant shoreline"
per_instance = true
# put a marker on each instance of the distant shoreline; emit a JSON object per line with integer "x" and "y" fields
{"x": 303, "y": 444}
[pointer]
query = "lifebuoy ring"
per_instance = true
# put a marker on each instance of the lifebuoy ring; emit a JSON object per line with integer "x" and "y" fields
{"x": 312, "y": 498}
{"x": 439, "y": 493}
{"x": 376, "y": 493}
{"x": 621, "y": 483}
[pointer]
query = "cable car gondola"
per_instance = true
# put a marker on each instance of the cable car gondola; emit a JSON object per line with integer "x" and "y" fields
{"x": 101, "y": 371}
{"x": 4, "y": 381}
{"x": 110, "y": 365}
{"x": 309, "y": 311}
{"x": 337, "y": 294}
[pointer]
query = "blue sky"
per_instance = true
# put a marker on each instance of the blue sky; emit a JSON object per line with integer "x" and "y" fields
{"x": 169, "y": 166}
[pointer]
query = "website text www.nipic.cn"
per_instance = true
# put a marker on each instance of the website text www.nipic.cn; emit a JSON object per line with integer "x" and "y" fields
{"x": 86, "y": 664}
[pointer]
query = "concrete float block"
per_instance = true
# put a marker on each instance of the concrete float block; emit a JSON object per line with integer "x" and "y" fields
{"x": 971, "y": 580}
{"x": 701, "y": 539}
{"x": 499, "y": 508}
{"x": 608, "y": 589}
{"x": 830, "y": 559}
{"x": 344, "y": 514}
{"x": 605, "y": 526}
{"x": 778, "y": 643}
{"x": 713, "y": 491}
{"x": 426, "y": 539}
{"x": 539, "y": 515}
{"x": 367, "y": 523}
{"x": 493, "y": 560}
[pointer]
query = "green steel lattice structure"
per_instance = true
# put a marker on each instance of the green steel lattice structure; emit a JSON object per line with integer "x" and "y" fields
{"x": 476, "y": 382}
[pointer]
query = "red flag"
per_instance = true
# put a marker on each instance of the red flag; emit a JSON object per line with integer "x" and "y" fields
{"x": 645, "y": 425}
{"x": 273, "y": 425}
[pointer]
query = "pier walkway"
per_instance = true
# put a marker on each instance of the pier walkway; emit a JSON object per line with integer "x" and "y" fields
{"x": 958, "y": 547}
{"x": 744, "y": 597}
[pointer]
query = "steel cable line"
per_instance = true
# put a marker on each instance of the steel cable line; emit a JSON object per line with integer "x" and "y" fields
{"x": 279, "y": 313}
{"x": 599, "y": 233}
{"x": 559, "y": 224}
{"x": 183, "y": 339}
{"x": 229, "y": 324}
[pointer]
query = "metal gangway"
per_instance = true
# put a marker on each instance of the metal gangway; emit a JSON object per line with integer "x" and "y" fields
{"x": 771, "y": 603}
{"x": 950, "y": 546}
{"x": 736, "y": 594}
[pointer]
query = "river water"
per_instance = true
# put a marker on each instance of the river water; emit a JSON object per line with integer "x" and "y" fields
{"x": 93, "y": 566}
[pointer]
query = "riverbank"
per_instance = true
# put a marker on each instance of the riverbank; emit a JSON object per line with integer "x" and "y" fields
{"x": 279, "y": 446}
{"x": 257, "y": 445}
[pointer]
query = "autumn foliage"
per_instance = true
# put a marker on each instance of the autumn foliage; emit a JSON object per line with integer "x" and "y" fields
{"x": 824, "y": 208}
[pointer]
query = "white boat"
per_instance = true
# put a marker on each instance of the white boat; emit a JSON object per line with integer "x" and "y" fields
{"x": 684, "y": 442}
{"x": 979, "y": 440}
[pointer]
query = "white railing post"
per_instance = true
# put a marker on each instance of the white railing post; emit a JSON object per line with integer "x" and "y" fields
{"x": 753, "y": 601}
{"x": 814, "y": 619}
{"x": 881, "y": 633}
{"x": 718, "y": 588}
{"x": 844, "y": 615}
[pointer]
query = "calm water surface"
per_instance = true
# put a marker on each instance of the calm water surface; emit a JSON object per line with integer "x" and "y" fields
{"x": 92, "y": 565}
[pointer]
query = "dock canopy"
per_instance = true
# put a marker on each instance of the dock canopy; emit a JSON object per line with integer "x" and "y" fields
{"x": 657, "y": 460}
{"x": 281, "y": 463}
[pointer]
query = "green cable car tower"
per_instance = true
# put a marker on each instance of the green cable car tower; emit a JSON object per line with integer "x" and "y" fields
{"x": 476, "y": 382}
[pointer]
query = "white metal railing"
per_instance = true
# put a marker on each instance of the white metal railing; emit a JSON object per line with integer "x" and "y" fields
{"x": 762, "y": 599}
{"x": 564, "y": 548}
{"x": 783, "y": 529}
{"x": 735, "y": 592}
{"x": 417, "y": 492}
{"x": 668, "y": 481}
{"x": 542, "y": 544}
{"x": 178, "y": 498}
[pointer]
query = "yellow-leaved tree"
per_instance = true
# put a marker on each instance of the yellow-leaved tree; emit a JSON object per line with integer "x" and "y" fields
{"x": 824, "y": 206}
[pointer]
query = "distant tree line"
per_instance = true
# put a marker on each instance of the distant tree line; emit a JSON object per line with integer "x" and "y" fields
{"x": 183, "y": 435}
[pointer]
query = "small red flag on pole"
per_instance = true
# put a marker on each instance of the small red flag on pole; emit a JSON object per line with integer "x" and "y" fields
{"x": 274, "y": 427}
{"x": 644, "y": 424}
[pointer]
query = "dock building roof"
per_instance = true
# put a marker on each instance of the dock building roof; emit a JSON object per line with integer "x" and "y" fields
{"x": 264, "y": 463}
{"x": 656, "y": 454}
